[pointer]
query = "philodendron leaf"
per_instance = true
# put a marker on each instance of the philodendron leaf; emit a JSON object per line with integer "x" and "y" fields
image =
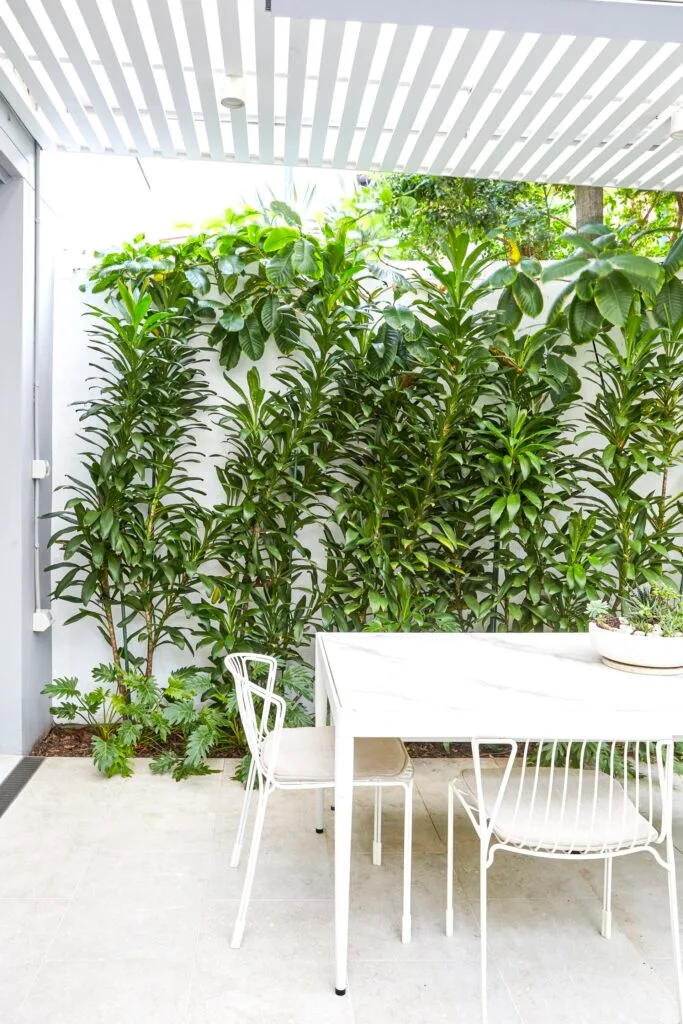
{"x": 231, "y": 320}
{"x": 251, "y": 338}
{"x": 509, "y": 313}
{"x": 669, "y": 305}
{"x": 286, "y": 212}
{"x": 528, "y": 295}
{"x": 613, "y": 297}
{"x": 279, "y": 269}
{"x": 199, "y": 279}
{"x": 230, "y": 351}
{"x": 399, "y": 317}
{"x": 278, "y": 238}
{"x": 502, "y": 277}
{"x": 584, "y": 320}
{"x": 270, "y": 313}
{"x": 287, "y": 333}
{"x": 562, "y": 269}
{"x": 303, "y": 257}
{"x": 674, "y": 258}
{"x": 383, "y": 350}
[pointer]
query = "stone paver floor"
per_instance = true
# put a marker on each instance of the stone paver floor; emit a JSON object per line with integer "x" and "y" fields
{"x": 117, "y": 903}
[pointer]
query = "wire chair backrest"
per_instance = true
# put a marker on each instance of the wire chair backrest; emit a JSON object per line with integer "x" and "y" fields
{"x": 565, "y": 797}
{"x": 262, "y": 712}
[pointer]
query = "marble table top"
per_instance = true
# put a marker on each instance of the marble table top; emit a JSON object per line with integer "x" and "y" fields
{"x": 490, "y": 685}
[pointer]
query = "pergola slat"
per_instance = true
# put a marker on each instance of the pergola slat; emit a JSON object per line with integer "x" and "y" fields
{"x": 33, "y": 83}
{"x": 229, "y": 22}
{"x": 470, "y": 95}
{"x": 112, "y": 66}
{"x": 541, "y": 50}
{"x": 332, "y": 44}
{"x": 201, "y": 59}
{"x": 145, "y": 74}
{"x": 400, "y": 47}
{"x": 504, "y": 52}
{"x": 34, "y": 33}
{"x": 566, "y": 105}
{"x": 296, "y": 82}
{"x": 265, "y": 83}
{"x": 82, "y": 65}
{"x": 433, "y": 52}
{"x": 163, "y": 27}
{"x": 466, "y": 57}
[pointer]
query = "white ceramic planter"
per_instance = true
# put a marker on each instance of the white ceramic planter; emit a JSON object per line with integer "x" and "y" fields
{"x": 634, "y": 653}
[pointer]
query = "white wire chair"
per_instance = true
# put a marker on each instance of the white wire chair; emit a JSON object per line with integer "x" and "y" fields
{"x": 592, "y": 801}
{"x": 303, "y": 758}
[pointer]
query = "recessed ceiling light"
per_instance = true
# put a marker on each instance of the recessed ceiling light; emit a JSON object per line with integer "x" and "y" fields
{"x": 232, "y": 92}
{"x": 676, "y": 131}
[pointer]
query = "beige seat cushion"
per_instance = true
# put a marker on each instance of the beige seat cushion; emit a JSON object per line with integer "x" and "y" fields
{"x": 307, "y": 755}
{"x": 585, "y": 818}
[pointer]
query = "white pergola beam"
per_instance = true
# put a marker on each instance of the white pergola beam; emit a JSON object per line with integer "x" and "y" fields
{"x": 615, "y": 19}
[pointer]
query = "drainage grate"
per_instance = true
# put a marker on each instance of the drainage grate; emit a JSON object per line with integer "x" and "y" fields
{"x": 11, "y": 787}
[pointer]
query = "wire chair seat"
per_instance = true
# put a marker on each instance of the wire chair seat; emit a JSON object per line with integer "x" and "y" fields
{"x": 561, "y": 812}
{"x": 306, "y": 755}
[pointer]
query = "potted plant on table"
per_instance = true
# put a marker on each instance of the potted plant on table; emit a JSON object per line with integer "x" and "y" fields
{"x": 648, "y": 634}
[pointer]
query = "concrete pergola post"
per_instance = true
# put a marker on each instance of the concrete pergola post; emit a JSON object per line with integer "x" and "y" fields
{"x": 25, "y": 431}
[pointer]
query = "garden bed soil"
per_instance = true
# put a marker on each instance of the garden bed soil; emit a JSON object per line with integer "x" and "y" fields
{"x": 75, "y": 741}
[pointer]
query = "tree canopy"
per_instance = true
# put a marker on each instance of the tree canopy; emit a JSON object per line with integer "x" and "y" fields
{"x": 418, "y": 210}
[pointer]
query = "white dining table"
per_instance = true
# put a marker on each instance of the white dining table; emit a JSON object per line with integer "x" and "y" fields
{"x": 448, "y": 686}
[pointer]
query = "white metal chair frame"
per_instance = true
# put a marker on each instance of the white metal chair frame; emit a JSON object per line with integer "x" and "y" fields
{"x": 257, "y": 730}
{"x": 579, "y": 789}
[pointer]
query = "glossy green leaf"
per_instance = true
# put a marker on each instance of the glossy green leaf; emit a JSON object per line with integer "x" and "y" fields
{"x": 613, "y": 297}
{"x": 251, "y": 338}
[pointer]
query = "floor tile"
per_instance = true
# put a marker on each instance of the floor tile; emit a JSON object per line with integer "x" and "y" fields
{"x": 434, "y": 992}
{"x": 109, "y": 992}
{"x": 289, "y": 931}
{"x": 110, "y": 930}
{"x": 251, "y": 992}
{"x": 27, "y": 927}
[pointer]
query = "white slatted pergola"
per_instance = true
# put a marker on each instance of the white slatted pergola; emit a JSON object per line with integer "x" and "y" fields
{"x": 577, "y": 91}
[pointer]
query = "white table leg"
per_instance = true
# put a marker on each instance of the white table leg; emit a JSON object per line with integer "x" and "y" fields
{"x": 343, "y": 821}
{"x": 321, "y": 709}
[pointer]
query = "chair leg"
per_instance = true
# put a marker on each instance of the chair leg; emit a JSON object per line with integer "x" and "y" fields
{"x": 449, "y": 865}
{"x": 406, "y": 924}
{"x": 483, "y": 925}
{"x": 240, "y": 922}
{"x": 377, "y": 840}
{"x": 606, "y": 929}
{"x": 237, "y": 848}
{"x": 675, "y": 925}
